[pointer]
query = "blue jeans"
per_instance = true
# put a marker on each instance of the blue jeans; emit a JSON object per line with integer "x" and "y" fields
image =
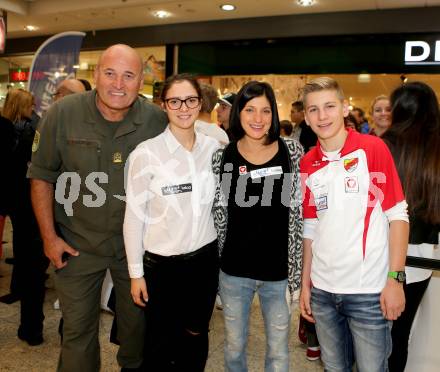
{"x": 350, "y": 328}
{"x": 237, "y": 294}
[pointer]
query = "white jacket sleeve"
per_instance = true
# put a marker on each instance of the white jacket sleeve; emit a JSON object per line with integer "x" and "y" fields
{"x": 137, "y": 195}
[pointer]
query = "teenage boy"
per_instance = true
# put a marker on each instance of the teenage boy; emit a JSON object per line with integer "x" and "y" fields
{"x": 355, "y": 237}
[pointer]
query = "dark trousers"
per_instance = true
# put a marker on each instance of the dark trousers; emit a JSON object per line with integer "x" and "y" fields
{"x": 402, "y": 326}
{"x": 29, "y": 270}
{"x": 181, "y": 296}
{"x": 79, "y": 287}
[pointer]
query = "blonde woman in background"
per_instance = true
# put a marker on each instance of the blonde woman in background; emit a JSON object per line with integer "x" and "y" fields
{"x": 381, "y": 115}
{"x": 30, "y": 265}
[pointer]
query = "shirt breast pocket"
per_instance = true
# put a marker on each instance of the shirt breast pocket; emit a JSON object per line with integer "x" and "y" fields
{"x": 82, "y": 156}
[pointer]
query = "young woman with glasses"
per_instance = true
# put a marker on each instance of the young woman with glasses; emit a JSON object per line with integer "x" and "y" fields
{"x": 169, "y": 233}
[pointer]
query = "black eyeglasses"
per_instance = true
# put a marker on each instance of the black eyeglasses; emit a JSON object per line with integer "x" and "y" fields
{"x": 176, "y": 103}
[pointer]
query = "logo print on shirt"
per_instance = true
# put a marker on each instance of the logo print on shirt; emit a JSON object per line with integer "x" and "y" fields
{"x": 242, "y": 170}
{"x": 351, "y": 164}
{"x": 351, "y": 184}
{"x": 321, "y": 203}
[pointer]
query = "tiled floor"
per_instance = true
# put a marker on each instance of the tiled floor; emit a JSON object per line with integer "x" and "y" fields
{"x": 17, "y": 356}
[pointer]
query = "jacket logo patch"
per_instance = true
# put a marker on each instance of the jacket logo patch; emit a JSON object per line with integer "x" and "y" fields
{"x": 242, "y": 170}
{"x": 351, "y": 184}
{"x": 351, "y": 164}
{"x": 36, "y": 142}
{"x": 117, "y": 157}
{"x": 321, "y": 203}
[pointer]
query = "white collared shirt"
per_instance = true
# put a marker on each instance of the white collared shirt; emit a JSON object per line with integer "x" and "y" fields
{"x": 170, "y": 192}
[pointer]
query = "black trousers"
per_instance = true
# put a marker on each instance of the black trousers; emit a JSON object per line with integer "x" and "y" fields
{"x": 181, "y": 297}
{"x": 402, "y": 326}
{"x": 29, "y": 268}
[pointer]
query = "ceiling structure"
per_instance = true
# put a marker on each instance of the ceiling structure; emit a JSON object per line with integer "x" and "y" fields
{"x": 53, "y": 16}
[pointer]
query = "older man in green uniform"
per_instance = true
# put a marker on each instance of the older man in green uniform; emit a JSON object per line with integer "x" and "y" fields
{"x": 81, "y": 146}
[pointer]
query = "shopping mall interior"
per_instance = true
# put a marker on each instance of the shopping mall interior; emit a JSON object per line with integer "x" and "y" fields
{"x": 286, "y": 43}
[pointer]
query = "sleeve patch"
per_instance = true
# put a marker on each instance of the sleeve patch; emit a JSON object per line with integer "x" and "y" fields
{"x": 36, "y": 142}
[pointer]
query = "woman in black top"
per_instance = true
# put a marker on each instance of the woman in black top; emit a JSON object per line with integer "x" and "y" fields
{"x": 414, "y": 141}
{"x": 258, "y": 219}
{"x": 30, "y": 266}
{"x": 7, "y": 144}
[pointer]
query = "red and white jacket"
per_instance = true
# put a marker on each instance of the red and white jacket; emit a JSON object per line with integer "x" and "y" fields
{"x": 350, "y": 197}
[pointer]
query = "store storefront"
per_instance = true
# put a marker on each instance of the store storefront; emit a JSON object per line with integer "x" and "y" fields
{"x": 365, "y": 65}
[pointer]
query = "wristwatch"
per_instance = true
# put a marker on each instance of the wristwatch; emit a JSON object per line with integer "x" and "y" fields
{"x": 400, "y": 276}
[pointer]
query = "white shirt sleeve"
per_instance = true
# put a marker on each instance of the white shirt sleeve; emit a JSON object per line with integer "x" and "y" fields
{"x": 398, "y": 213}
{"x": 310, "y": 225}
{"x": 212, "y": 130}
{"x": 137, "y": 195}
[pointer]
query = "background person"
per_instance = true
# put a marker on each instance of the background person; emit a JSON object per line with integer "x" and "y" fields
{"x": 414, "y": 141}
{"x": 307, "y": 137}
{"x": 259, "y": 240}
{"x": 286, "y": 128}
{"x": 203, "y": 123}
{"x": 67, "y": 87}
{"x": 86, "y": 84}
{"x": 350, "y": 122}
{"x": 7, "y": 144}
{"x": 361, "y": 120}
{"x": 381, "y": 115}
{"x": 169, "y": 235}
{"x": 29, "y": 272}
{"x": 82, "y": 134}
{"x": 224, "y": 110}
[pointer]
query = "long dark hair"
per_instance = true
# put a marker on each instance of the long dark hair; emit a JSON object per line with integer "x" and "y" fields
{"x": 414, "y": 139}
{"x": 251, "y": 90}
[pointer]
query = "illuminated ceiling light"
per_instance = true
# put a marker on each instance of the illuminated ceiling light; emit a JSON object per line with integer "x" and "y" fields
{"x": 76, "y": 67}
{"x": 227, "y": 7}
{"x": 305, "y": 2}
{"x": 161, "y": 14}
{"x": 30, "y": 28}
{"x": 364, "y": 78}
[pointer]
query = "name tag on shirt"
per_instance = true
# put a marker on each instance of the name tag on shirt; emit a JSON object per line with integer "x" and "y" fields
{"x": 264, "y": 172}
{"x": 176, "y": 189}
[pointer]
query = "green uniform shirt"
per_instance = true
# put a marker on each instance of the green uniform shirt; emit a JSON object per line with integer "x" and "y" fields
{"x": 73, "y": 136}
